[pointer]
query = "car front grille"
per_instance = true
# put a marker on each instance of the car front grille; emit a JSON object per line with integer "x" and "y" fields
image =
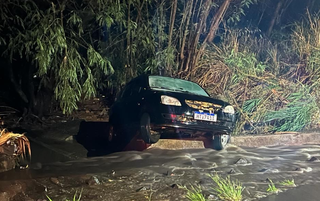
{"x": 200, "y": 105}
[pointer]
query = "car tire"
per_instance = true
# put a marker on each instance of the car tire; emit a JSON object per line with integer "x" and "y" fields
{"x": 220, "y": 141}
{"x": 148, "y": 135}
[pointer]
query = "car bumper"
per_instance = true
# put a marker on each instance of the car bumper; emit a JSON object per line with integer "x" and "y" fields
{"x": 187, "y": 124}
{"x": 188, "y": 128}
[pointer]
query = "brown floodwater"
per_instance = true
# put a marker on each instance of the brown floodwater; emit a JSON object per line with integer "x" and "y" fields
{"x": 308, "y": 192}
{"x": 158, "y": 173}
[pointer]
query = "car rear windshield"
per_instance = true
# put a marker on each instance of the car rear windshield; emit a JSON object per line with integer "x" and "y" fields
{"x": 177, "y": 85}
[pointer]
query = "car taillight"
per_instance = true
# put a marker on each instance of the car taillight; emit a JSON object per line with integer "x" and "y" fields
{"x": 168, "y": 100}
{"x": 173, "y": 116}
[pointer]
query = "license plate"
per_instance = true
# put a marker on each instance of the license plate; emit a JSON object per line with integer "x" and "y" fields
{"x": 205, "y": 116}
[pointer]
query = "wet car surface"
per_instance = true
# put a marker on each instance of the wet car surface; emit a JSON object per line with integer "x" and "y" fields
{"x": 159, "y": 106}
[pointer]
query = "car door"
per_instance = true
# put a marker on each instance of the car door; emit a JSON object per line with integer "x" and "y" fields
{"x": 133, "y": 103}
{"x": 118, "y": 113}
{"x": 123, "y": 105}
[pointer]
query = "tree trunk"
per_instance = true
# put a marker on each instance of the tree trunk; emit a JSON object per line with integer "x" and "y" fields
{"x": 188, "y": 14}
{"x": 128, "y": 35}
{"x": 261, "y": 16}
{"x": 192, "y": 50}
{"x": 217, "y": 20}
{"x": 275, "y": 16}
{"x": 172, "y": 20}
{"x": 213, "y": 29}
{"x": 195, "y": 6}
{"x": 160, "y": 33}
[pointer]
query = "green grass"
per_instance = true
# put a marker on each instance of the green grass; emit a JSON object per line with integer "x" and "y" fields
{"x": 272, "y": 188}
{"x": 227, "y": 189}
{"x": 194, "y": 193}
{"x": 287, "y": 183}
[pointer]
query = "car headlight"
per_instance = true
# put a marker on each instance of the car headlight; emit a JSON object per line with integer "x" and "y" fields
{"x": 229, "y": 109}
{"x": 168, "y": 100}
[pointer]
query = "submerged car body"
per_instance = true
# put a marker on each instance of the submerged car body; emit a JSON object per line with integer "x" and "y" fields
{"x": 161, "y": 106}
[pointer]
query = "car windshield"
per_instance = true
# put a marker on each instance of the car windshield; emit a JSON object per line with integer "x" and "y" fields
{"x": 173, "y": 84}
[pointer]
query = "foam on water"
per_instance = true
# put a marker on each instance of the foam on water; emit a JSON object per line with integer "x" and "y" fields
{"x": 256, "y": 165}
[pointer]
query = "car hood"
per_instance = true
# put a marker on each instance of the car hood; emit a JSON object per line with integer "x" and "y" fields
{"x": 182, "y": 97}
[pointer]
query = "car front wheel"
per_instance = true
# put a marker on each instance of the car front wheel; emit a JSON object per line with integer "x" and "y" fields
{"x": 220, "y": 141}
{"x": 148, "y": 135}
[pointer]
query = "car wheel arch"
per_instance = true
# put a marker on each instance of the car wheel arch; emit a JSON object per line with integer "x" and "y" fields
{"x": 146, "y": 131}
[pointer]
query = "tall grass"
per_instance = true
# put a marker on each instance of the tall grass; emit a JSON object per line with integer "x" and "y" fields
{"x": 194, "y": 193}
{"x": 298, "y": 113}
{"x": 272, "y": 187}
{"x": 272, "y": 84}
{"x": 288, "y": 183}
{"x": 226, "y": 189}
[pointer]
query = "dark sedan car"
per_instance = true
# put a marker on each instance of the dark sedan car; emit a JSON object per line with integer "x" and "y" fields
{"x": 159, "y": 106}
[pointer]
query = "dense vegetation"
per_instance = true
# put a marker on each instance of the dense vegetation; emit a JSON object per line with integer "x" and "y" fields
{"x": 262, "y": 56}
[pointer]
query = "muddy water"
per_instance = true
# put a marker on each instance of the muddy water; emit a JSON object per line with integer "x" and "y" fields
{"x": 157, "y": 173}
{"x": 306, "y": 193}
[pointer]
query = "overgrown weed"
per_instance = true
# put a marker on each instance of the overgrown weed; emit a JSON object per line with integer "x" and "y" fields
{"x": 272, "y": 85}
{"x": 226, "y": 189}
{"x": 288, "y": 183}
{"x": 194, "y": 193}
{"x": 272, "y": 187}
